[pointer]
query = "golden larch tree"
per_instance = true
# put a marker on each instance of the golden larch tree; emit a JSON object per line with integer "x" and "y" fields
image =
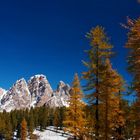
{"x": 75, "y": 121}
{"x": 133, "y": 45}
{"x": 110, "y": 100}
{"x": 23, "y": 129}
{"x": 98, "y": 53}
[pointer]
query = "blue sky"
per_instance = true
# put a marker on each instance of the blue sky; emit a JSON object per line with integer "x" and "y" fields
{"x": 48, "y": 36}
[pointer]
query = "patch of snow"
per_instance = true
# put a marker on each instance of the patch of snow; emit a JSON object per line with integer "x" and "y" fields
{"x": 51, "y": 134}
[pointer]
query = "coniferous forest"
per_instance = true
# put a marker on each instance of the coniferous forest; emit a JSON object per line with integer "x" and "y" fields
{"x": 98, "y": 110}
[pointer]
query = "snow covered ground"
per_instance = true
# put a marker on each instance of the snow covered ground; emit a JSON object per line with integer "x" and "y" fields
{"x": 51, "y": 134}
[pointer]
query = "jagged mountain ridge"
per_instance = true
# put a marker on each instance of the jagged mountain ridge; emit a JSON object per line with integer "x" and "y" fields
{"x": 36, "y": 92}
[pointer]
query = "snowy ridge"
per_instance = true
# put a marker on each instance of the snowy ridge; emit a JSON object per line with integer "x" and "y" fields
{"x": 36, "y": 92}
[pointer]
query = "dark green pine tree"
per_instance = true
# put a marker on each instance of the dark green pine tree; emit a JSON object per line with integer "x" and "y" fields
{"x": 8, "y": 130}
{"x": 2, "y": 125}
{"x": 7, "y": 127}
{"x": 13, "y": 120}
{"x": 36, "y": 117}
{"x": 51, "y": 116}
{"x": 62, "y": 116}
{"x": 31, "y": 125}
{"x": 18, "y": 131}
{"x": 43, "y": 117}
{"x": 56, "y": 120}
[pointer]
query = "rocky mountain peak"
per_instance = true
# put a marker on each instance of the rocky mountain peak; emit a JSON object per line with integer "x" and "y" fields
{"x": 63, "y": 89}
{"x": 61, "y": 84}
{"x": 36, "y": 92}
{"x": 39, "y": 82}
{"x": 40, "y": 89}
{"x": 60, "y": 96}
{"x": 20, "y": 87}
{"x": 17, "y": 97}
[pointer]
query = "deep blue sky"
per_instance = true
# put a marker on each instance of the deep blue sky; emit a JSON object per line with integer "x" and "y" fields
{"x": 48, "y": 36}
